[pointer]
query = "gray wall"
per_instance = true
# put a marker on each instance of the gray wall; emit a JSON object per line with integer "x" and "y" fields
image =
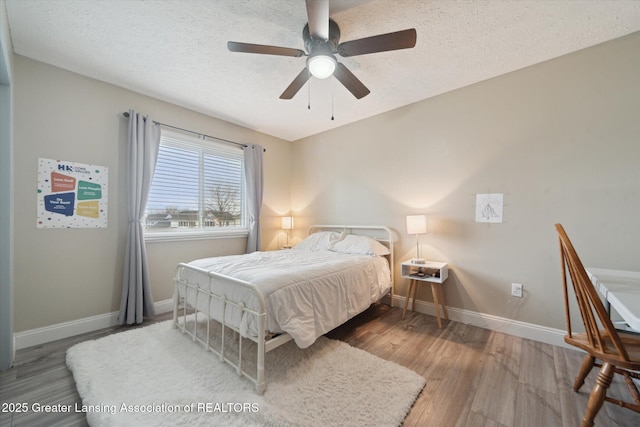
{"x": 560, "y": 139}
{"x": 67, "y": 274}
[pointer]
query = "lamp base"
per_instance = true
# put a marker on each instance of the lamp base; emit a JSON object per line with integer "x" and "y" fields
{"x": 418, "y": 261}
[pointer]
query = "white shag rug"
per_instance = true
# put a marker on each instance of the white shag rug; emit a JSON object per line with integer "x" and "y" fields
{"x": 156, "y": 376}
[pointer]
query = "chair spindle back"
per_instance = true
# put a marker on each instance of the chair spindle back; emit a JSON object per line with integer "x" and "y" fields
{"x": 591, "y": 307}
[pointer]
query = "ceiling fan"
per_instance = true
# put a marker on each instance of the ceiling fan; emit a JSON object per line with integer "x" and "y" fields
{"x": 321, "y": 36}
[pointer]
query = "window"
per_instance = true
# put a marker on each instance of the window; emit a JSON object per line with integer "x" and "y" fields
{"x": 197, "y": 188}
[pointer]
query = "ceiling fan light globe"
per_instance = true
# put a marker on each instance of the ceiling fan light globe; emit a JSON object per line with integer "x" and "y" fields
{"x": 321, "y": 66}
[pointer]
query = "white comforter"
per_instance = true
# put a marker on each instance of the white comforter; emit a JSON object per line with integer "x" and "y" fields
{"x": 306, "y": 293}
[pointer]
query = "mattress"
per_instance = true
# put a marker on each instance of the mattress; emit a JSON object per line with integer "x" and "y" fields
{"x": 306, "y": 293}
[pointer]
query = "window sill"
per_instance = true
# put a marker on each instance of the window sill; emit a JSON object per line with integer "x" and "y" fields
{"x": 196, "y": 235}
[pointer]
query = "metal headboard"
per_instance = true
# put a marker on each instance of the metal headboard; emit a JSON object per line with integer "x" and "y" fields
{"x": 378, "y": 232}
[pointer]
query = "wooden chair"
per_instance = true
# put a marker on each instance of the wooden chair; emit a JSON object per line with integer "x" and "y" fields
{"x": 611, "y": 350}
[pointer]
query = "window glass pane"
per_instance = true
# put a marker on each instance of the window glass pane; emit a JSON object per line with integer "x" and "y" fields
{"x": 222, "y": 191}
{"x": 197, "y": 185}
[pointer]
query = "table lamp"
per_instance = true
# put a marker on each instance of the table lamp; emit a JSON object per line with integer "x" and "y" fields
{"x": 417, "y": 224}
{"x": 287, "y": 224}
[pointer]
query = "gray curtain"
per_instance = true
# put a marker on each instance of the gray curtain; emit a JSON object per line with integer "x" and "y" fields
{"x": 255, "y": 181}
{"x": 142, "y": 153}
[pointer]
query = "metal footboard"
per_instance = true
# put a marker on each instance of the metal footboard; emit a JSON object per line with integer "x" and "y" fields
{"x": 215, "y": 292}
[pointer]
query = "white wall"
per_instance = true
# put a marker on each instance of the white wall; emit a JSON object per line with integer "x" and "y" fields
{"x": 560, "y": 139}
{"x": 67, "y": 274}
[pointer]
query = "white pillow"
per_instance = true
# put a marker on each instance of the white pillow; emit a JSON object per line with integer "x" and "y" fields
{"x": 320, "y": 241}
{"x": 352, "y": 244}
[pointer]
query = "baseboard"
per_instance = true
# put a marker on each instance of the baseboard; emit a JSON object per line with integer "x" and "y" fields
{"x": 499, "y": 324}
{"x": 530, "y": 331}
{"x": 59, "y": 331}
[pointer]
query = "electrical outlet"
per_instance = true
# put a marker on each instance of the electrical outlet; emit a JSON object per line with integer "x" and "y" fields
{"x": 516, "y": 290}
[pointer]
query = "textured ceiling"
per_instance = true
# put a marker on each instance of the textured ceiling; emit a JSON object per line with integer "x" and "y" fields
{"x": 176, "y": 50}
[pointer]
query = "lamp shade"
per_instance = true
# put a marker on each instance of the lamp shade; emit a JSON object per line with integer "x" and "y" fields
{"x": 287, "y": 223}
{"x": 416, "y": 224}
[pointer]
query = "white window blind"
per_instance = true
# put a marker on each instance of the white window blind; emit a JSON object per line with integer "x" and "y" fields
{"x": 198, "y": 186}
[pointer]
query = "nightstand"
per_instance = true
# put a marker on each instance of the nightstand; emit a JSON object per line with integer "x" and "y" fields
{"x": 432, "y": 272}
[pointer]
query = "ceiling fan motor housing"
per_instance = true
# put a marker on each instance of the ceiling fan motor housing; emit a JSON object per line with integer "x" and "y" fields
{"x": 325, "y": 46}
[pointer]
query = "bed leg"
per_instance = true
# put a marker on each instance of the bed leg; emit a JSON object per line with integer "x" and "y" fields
{"x": 260, "y": 383}
{"x": 223, "y": 326}
{"x": 175, "y": 306}
{"x": 239, "y": 369}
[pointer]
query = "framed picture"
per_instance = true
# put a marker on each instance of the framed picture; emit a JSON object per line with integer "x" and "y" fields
{"x": 489, "y": 207}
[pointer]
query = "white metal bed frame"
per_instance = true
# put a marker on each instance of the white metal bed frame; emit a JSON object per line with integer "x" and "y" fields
{"x": 218, "y": 281}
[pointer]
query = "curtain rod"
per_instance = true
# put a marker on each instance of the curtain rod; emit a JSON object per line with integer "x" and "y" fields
{"x": 126, "y": 114}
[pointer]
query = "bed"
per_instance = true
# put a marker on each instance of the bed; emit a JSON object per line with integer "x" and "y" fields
{"x": 295, "y": 294}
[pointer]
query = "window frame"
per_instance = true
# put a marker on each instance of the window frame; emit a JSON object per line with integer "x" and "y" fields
{"x": 210, "y": 145}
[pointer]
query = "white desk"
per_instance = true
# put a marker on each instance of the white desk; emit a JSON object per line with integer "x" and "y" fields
{"x": 621, "y": 289}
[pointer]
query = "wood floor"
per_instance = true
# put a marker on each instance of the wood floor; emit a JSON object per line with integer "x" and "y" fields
{"x": 475, "y": 377}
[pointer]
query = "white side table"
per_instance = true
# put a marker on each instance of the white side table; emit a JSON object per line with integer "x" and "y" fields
{"x": 433, "y": 272}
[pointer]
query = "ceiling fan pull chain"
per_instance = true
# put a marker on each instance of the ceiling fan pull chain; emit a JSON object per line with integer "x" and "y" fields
{"x": 309, "y": 92}
{"x": 332, "y": 92}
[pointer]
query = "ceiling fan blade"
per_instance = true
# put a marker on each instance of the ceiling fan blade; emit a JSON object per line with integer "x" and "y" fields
{"x": 264, "y": 49}
{"x": 350, "y": 81}
{"x": 296, "y": 84}
{"x": 318, "y": 17}
{"x": 404, "y": 39}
